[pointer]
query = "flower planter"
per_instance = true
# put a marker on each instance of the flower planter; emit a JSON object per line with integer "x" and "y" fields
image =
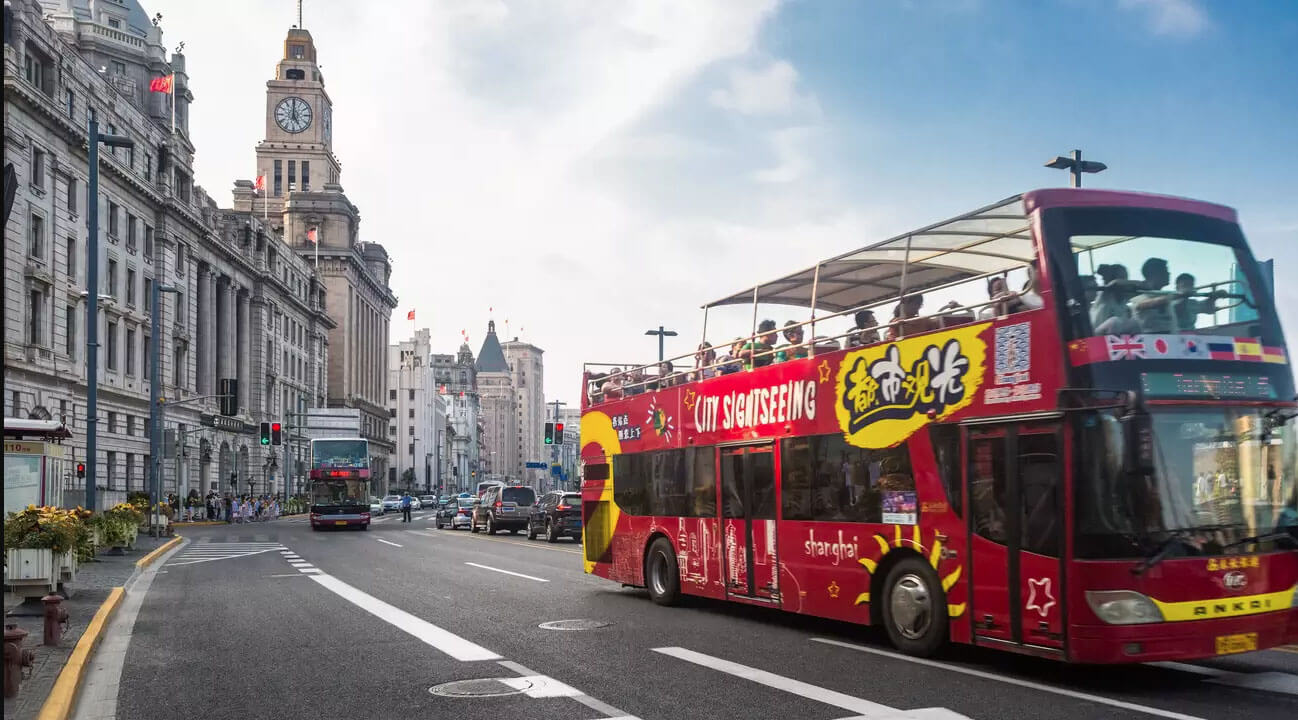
{"x": 30, "y": 572}
{"x": 67, "y": 566}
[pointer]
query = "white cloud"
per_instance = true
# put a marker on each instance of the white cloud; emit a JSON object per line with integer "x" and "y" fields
{"x": 772, "y": 90}
{"x": 790, "y": 148}
{"x": 1179, "y": 18}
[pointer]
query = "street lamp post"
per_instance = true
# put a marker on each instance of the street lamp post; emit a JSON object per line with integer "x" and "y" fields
{"x": 661, "y": 333}
{"x": 155, "y": 396}
{"x": 92, "y": 299}
{"x": 1075, "y": 166}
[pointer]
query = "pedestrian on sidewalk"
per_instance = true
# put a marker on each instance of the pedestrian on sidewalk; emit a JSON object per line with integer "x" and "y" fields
{"x": 406, "y": 501}
{"x": 229, "y": 507}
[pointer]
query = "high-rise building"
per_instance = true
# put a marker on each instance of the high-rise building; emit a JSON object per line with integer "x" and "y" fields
{"x": 527, "y": 374}
{"x": 501, "y": 457}
{"x": 457, "y": 379}
{"x": 304, "y": 200}
{"x": 413, "y": 403}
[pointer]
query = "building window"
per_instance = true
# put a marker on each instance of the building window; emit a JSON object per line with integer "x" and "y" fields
{"x": 130, "y": 354}
{"x": 111, "y": 459}
{"x": 130, "y": 470}
{"x": 70, "y": 318}
{"x": 112, "y": 220}
{"x": 112, "y": 346}
{"x": 130, "y": 425}
{"x": 72, "y": 195}
{"x": 306, "y": 174}
{"x": 148, "y": 348}
{"x": 279, "y": 178}
{"x": 182, "y": 310}
{"x": 180, "y": 259}
{"x": 178, "y": 365}
{"x": 412, "y": 413}
{"x": 130, "y": 232}
{"x": 148, "y": 295}
{"x": 148, "y": 166}
{"x": 36, "y": 68}
{"x": 36, "y": 301}
{"x": 148, "y": 243}
{"x": 130, "y": 287}
{"x": 112, "y": 278}
{"x": 412, "y": 394}
{"x": 70, "y": 103}
{"x": 38, "y": 168}
{"x": 297, "y": 52}
{"x": 117, "y": 24}
{"x": 112, "y": 422}
{"x": 37, "y": 247}
{"x": 412, "y": 449}
{"x": 292, "y": 175}
{"x": 72, "y": 258}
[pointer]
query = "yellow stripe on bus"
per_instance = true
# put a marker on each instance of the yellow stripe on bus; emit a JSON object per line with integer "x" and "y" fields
{"x": 1227, "y": 607}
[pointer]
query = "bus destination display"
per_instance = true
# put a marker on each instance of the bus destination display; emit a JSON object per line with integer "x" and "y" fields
{"x": 1207, "y": 385}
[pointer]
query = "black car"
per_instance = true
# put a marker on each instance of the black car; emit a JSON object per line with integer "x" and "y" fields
{"x": 558, "y": 514}
{"x": 503, "y": 508}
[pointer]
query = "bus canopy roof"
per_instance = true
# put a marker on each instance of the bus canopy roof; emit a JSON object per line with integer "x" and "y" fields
{"x": 988, "y": 240}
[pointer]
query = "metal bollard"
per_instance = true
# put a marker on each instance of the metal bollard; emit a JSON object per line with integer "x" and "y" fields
{"x": 56, "y": 619}
{"x": 16, "y": 658}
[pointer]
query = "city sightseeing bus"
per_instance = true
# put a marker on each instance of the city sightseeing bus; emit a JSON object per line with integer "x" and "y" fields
{"x": 1088, "y": 455}
{"x": 340, "y": 483}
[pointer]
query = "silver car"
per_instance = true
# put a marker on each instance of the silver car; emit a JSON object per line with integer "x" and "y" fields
{"x": 463, "y": 517}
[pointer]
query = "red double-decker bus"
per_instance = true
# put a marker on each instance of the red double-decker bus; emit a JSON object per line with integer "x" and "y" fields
{"x": 340, "y": 483}
{"x": 1085, "y": 450}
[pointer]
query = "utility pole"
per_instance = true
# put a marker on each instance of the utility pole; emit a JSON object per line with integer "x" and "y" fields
{"x": 661, "y": 333}
{"x": 156, "y": 409}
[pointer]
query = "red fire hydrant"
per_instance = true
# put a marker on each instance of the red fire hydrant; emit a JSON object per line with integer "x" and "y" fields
{"x": 16, "y": 658}
{"x": 56, "y": 619}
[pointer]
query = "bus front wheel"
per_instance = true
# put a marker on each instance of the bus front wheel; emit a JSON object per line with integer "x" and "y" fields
{"x": 914, "y": 608}
{"x": 661, "y": 575}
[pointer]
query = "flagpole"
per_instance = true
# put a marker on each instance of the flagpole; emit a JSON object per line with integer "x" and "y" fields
{"x": 173, "y": 102}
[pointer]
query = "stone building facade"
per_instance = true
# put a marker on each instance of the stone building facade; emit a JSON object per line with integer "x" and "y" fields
{"x": 457, "y": 378}
{"x": 413, "y": 403}
{"x": 303, "y": 198}
{"x": 245, "y": 301}
{"x": 527, "y": 375}
{"x": 501, "y": 459}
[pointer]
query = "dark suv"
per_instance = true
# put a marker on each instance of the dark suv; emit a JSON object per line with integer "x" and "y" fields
{"x": 503, "y": 508}
{"x": 556, "y": 515}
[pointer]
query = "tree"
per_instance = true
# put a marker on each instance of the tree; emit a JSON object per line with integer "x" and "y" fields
{"x": 408, "y": 477}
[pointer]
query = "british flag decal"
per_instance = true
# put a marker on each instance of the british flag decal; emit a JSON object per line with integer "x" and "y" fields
{"x": 1126, "y": 347}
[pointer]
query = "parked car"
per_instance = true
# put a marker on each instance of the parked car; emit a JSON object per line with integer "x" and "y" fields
{"x": 456, "y": 513}
{"x": 376, "y": 507}
{"x": 503, "y": 508}
{"x": 558, "y": 514}
{"x": 392, "y": 502}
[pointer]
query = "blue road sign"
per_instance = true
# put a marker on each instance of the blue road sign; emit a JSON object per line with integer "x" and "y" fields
{"x": 537, "y": 465}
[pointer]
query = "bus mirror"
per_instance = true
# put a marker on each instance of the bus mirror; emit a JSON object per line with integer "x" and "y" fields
{"x": 1138, "y": 437}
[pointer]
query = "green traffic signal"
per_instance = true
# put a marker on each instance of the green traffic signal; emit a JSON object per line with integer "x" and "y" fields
{"x": 549, "y": 433}
{"x": 265, "y": 433}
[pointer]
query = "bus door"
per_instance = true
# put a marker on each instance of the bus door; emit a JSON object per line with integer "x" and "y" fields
{"x": 748, "y": 517}
{"x": 1015, "y": 476}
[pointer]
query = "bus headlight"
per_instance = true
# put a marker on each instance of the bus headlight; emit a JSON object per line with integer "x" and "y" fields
{"x": 1123, "y": 607}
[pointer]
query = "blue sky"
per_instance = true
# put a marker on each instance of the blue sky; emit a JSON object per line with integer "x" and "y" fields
{"x": 591, "y": 169}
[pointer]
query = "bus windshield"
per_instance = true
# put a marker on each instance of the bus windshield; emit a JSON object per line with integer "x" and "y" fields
{"x": 339, "y": 492}
{"x": 340, "y": 453}
{"x": 1218, "y": 477}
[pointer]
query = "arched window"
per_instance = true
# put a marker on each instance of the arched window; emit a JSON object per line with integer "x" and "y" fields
{"x": 294, "y": 74}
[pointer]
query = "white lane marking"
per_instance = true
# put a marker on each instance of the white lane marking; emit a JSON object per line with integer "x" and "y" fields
{"x": 285, "y": 575}
{"x": 507, "y": 572}
{"x": 300, "y": 564}
{"x": 1188, "y": 668}
{"x": 388, "y": 542}
{"x": 308, "y": 570}
{"x": 541, "y": 686}
{"x": 422, "y": 532}
{"x": 444, "y": 640}
{"x": 779, "y": 682}
{"x": 1268, "y": 680}
{"x": 1015, "y": 681}
{"x": 599, "y": 706}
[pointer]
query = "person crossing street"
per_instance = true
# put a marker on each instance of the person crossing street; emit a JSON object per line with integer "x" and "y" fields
{"x": 406, "y": 501}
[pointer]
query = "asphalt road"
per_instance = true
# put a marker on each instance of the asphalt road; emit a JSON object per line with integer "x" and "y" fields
{"x": 273, "y": 620}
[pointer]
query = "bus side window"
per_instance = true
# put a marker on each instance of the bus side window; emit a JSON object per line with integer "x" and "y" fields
{"x": 701, "y": 484}
{"x": 629, "y": 480}
{"x": 666, "y": 494}
{"x": 946, "y": 451}
{"x": 1039, "y": 474}
{"x": 987, "y": 487}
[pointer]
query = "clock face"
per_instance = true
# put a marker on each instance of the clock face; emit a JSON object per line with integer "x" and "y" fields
{"x": 293, "y": 114}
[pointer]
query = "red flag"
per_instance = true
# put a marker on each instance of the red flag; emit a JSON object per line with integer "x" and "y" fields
{"x": 311, "y": 237}
{"x": 261, "y": 183}
{"x": 162, "y": 84}
{"x": 410, "y": 315}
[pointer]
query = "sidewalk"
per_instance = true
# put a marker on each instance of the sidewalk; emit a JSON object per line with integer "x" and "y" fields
{"x": 89, "y": 590}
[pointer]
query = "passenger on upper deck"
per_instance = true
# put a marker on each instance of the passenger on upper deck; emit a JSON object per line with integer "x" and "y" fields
{"x": 704, "y": 359}
{"x": 1152, "y": 309}
{"x": 907, "y": 310}
{"x": 866, "y": 329}
{"x": 611, "y": 387}
{"x": 634, "y": 383}
{"x": 758, "y": 354}
{"x": 1004, "y": 301}
{"x": 732, "y": 360}
{"x": 667, "y": 376}
{"x": 1186, "y": 309}
{"x": 1110, "y": 312}
{"x": 795, "y": 350}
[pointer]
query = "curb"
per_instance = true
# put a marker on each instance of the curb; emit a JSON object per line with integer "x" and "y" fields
{"x": 148, "y": 560}
{"x": 58, "y": 706}
{"x": 198, "y": 523}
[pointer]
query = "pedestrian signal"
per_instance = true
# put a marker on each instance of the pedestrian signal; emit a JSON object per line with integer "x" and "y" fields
{"x": 276, "y": 434}
{"x": 549, "y": 433}
{"x": 265, "y": 433}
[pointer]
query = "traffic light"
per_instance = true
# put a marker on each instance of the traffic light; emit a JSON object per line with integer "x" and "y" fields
{"x": 276, "y": 434}
{"x": 558, "y": 433}
{"x": 265, "y": 433}
{"x": 549, "y": 433}
{"x": 81, "y": 471}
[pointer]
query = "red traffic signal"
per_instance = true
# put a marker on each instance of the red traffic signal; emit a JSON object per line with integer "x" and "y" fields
{"x": 81, "y": 471}
{"x": 558, "y": 433}
{"x": 276, "y": 434}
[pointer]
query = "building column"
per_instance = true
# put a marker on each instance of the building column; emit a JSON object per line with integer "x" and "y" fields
{"x": 244, "y": 351}
{"x": 211, "y": 326}
{"x": 201, "y": 345}
{"x": 224, "y": 329}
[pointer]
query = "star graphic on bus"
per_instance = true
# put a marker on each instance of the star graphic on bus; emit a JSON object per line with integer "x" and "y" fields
{"x": 688, "y": 400}
{"x": 660, "y": 421}
{"x": 824, "y": 370}
{"x": 915, "y": 542}
{"x": 1046, "y": 601}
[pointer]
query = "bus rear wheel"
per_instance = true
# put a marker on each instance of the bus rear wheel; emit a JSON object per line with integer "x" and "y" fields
{"x": 914, "y": 608}
{"x": 661, "y": 574}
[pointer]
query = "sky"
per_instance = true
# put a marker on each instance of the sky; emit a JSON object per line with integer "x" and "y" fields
{"x": 588, "y": 170}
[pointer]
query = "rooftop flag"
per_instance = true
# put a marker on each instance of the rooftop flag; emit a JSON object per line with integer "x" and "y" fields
{"x": 410, "y": 315}
{"x": 261, "y": 183}
{"x": 162, "y": 84}
{"x": 311, "y": 236}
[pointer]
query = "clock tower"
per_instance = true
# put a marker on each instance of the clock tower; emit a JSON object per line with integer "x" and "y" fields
{"x": 297, "y": 154}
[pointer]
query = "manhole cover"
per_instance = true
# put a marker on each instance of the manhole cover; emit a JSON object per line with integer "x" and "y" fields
{"x": 572, "y": 625}
{"x": 487, "y": 687}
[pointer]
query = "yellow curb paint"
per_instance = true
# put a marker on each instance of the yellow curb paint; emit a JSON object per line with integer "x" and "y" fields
{"x": 58, "y": 706}
{"x": 148, "y": 559}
